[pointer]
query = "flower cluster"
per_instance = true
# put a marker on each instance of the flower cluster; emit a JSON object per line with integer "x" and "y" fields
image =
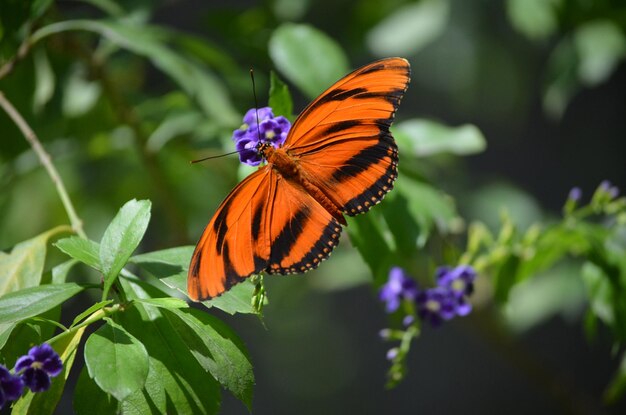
{"x": 33, "y": 370}
{"x": 435, "y": 305}
{"x": 259, "y": 126}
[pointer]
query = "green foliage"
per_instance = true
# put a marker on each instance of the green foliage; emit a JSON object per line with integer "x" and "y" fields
{"x": 302, "y": 65}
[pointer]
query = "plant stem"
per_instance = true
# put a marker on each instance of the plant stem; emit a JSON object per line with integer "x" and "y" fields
{"x": 22, "y": 52}
{"x": 44, "y": 158}
{"x": 98, "y": 315}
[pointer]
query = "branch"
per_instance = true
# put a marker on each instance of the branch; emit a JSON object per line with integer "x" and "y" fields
{"x": 21, "y": 54}
{"x": 44, "y": 157}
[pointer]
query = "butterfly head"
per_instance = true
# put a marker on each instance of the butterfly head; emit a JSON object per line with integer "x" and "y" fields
{"x": 259, "y": 131}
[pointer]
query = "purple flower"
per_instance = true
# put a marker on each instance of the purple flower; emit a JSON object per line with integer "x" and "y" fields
{"x": 575, "y": 194}
{"x": 392, "y": 353}
{"x": 607, "y": 186}
{"x": 248, "y": 138}
{"x": 399, "y": 286}
{"x": 38, "y": 366}
{"x": 251, "y": 116}
{"x": 11, "y": 386}
{"x": 459, "y": 280}
{"x": 436, "y": 305}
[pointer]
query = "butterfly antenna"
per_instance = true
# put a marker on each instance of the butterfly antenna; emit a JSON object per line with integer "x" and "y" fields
{"x": 256, "y": 110}
{"x": 213, "y": 157}
{"x": 256, "y": 104}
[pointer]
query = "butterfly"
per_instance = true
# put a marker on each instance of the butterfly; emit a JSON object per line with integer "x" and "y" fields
{"x": 339, "y": 158}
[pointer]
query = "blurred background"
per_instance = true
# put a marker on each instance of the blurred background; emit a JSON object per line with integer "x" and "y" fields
{"x": 543, "y": 82}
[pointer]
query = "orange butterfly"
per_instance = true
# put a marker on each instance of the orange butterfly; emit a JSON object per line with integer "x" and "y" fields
{"x": 338, "y": 158}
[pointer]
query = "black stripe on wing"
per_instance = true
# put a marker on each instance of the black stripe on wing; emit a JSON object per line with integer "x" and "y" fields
{"x": 318, "y": 252}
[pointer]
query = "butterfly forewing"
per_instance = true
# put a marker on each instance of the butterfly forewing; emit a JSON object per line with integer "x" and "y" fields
{"x": 342, "y": 139}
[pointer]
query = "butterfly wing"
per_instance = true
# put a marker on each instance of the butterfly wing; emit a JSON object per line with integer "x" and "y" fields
{"x": 235, "y": 244}
{"x": 342, "y": 139}
{"x": 302, "y": 232}
{"x": 266, "y": 223}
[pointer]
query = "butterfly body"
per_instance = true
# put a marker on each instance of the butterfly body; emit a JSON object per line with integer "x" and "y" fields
{"x": 287, "y": 167}
{"x": 339, "y": 158}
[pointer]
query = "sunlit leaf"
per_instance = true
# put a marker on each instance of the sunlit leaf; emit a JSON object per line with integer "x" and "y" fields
{"x": 44, "y": 80}
{"x": 537, "y": 19}
{"x": 79, "y": 94}
{"x": 81, "y": 249}
{"x": 217, "y": 349}
{"x": 601, "y": 45}
{"x": 30, "y": 302}
{"x": 409, "y": 28}
{"x": 122, "y": 237}
{"x": 23, "y": 267}
{"x": 116, "y": 360}
{"x": 176, "y": 383}
{"x": 425, "y": 138}
{"x": 307, "y": 57}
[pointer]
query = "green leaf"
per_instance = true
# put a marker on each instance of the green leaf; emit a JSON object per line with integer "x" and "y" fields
{"x": 307, "y": 57}
{"x": 46, "y": 403}
{"x": 176, "y": 383}
{"x": 122, "y": 237}
{"x": 5, "y": 332}
{"x": 370, "y": 235}
{"x": 171, "y": 266}
{"x": 217, "y": 349}
{"x": 44, "y": 80}
{"x": 601, "y": 46}
{"x": 30, "y": 302}
{"x": 59, "y": 272}
{"x": 81, "y": 249}
{"x": 280, "y": 98}
{"x": 556, "y": 292}
{"x": 174, "y": 125}
{"x": 89, "y": 399}
{"x": 537, "y": 19}
{"x": 562, "y": 78}
{"x": 409, "y": 28}
{"x": 408, "y": 232}
{"x": 178, "y": 257}
{"x": 23, "y": 267}
{"x": 80, "y": 94}
{"x": 505, "y": 278}
{"x": 428, "y": 206}
{"x": 108, "y": 6}
{"x": 116, "y": 360}
{"x": 425, "y": 138}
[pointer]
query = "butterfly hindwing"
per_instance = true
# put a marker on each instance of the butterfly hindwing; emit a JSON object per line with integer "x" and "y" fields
{"x": 342, "y": 139}
{"x": 302, "y": 232}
